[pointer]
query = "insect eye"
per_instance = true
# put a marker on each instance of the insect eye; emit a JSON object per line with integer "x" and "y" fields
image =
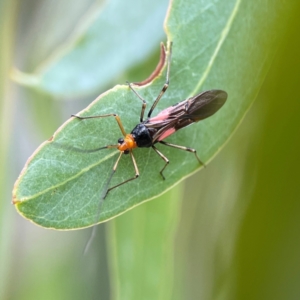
{"x": 120, "y": 140}
{"x": 126, "y": 151}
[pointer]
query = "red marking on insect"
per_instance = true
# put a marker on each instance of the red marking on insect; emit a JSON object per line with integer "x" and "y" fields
{"x": 155, "y": 129}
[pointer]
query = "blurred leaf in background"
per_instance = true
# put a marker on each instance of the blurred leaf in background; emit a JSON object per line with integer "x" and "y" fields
{"x": 237, "y": 236}
{"x": 104, "y": 41}
{"x": 7, "y": 103}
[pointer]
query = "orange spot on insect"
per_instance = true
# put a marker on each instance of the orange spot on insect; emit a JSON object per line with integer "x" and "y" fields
{"x": 129, "y": 143}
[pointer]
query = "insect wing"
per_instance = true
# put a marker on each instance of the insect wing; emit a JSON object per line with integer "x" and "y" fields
{"x": 204, "y": 105}
{"x": 169, "y": 114}
{"x": 165, "y": 122}
{"x": 186, "y": 112}
{"x": 196, "y": 108}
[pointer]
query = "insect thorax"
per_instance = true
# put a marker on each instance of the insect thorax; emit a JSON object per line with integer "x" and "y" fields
{"x": 142, "y": 135}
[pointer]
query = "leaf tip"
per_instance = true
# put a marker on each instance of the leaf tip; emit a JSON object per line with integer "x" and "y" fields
{"x": 14, "y": 200}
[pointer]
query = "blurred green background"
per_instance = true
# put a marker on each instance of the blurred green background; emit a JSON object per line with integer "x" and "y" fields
{"x": 236, "y": 235}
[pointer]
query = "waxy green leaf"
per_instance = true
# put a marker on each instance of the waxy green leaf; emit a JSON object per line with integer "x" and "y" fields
{"x": 60, "y": 186}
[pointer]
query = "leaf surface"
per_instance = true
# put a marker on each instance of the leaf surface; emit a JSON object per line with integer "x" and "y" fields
{"x": 60, "y": 186}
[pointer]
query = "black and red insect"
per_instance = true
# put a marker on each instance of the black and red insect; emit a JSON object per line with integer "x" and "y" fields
{"x": 154, "y": 130}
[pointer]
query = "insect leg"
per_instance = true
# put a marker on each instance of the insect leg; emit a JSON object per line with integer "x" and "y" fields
{"x": 164, "y": 158}
{"x": 185, "y": 149}
{"x": 104, "y": 193}
{"x": 140, "y": 97}
{"x": 104, "y": 116}
{"x": 137, "y": 174}
{"x": 166, "y": 83}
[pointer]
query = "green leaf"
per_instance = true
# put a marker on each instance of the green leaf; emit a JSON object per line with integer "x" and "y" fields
{"x": 142, "y": 242}
{"x": 104, "y": 34}
{"x": 215, "y": 46}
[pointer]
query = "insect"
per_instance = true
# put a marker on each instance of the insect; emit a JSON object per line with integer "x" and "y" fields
{"x": 154, "y": 130}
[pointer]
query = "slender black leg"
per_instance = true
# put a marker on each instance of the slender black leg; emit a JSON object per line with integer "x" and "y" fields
{"x": 106, "y": 191}
{"x": 164, "y": 158}
{"x": 166, "y": 83}
{"x": 185, "y": 149}
{"x": 104, "y": 116}
{"x": 141, "y": 98}
{"x": 137, "y": 174}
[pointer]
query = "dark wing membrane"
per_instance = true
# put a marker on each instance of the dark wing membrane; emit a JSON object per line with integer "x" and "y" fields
{"x": 187, "y": 112}
{"x": 204, "y": 105}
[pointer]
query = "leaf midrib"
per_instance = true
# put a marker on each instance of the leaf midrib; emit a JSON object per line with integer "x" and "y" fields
{"x": 222, "y": 38}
